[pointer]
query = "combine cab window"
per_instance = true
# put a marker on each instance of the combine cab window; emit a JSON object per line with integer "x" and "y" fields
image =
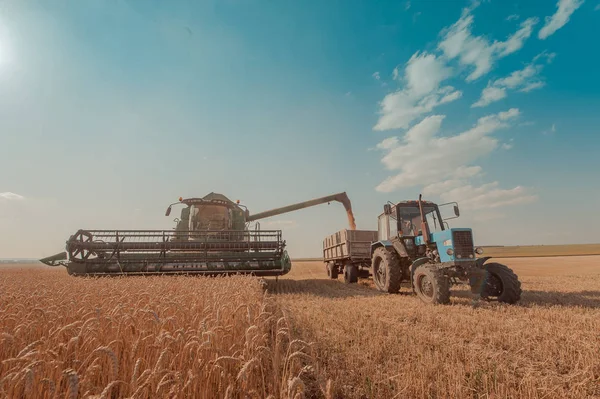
{"x": 210, "y": 217}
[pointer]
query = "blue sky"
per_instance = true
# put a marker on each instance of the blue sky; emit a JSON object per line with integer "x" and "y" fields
{"x": 110, "y": 110}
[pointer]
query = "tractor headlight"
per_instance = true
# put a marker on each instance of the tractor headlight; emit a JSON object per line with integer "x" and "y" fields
{"x": 479, "y": 250}
{"x": 471, "y": 256}
{"x": 450, "y": 251}
{"x": 458, "y": 256}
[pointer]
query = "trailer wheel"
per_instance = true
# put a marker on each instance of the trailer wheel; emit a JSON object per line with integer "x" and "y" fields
{"x": 500, "y": 282}
{"x": 350, "y": 274}
{"x": 332, "y": 271}
{"x": 431, "y": 285}
{"x": 387, "y": 273}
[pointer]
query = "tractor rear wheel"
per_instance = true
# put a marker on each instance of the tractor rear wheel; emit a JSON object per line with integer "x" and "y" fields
{"x": 500, "y": 282}
{"x": 350, "y": 274}
{"x": 387, "y": 271}
{"x": 332, "y": 271}
{"x": 431, "y": 285}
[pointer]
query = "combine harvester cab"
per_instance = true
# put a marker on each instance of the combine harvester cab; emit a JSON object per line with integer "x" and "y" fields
{"x": 211, "y": 237}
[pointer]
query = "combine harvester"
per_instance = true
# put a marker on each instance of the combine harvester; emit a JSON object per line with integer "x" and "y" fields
{"x": 212, "y": 236}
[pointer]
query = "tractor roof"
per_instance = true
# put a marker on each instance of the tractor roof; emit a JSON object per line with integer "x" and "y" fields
{"x": 415, "y": 203}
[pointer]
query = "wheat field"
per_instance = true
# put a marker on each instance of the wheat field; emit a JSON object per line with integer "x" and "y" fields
{"x": 303, "y": 336}
{"x": 146, "y": 337}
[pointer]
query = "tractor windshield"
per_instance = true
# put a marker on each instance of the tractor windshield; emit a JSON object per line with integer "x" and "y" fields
{"x": 409, "y": 220}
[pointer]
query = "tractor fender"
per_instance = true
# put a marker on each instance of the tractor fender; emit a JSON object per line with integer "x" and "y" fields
{"x": 382, "y": 243}
{"x": 415, "y": 264}
{"x": 480, "y": 261}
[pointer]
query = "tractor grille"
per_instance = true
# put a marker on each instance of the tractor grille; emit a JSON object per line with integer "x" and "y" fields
{"x": 463, "y": 244}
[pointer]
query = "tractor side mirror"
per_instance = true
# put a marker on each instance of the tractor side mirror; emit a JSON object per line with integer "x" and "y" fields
{"x": 387, "y": 209}
{"x": 168, "y": 212}
{"x": 456, "y": 211}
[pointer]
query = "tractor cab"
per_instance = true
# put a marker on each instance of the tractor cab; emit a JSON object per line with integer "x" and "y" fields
{"x": 404, "y": 219}
{"x": 417, "y": 228}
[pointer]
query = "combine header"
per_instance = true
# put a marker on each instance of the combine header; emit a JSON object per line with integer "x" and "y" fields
{"x": 212, "y": 237}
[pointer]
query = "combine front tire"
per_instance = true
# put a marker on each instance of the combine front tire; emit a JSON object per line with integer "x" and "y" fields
{"x": 431, "y": 285}
{"x": 387, "y": 273}
{"x": 332, "y": 271}
{"x": 350, "y": 274}
{"x": 500, "y": 282}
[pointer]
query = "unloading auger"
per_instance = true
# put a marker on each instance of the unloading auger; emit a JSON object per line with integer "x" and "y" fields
{"x": 212, "y": 236}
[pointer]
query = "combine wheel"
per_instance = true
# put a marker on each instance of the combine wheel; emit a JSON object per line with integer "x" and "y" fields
{"x": 500, "y": 282}
{"x": 387, "y": 273}
{"x": 431, "y": 285}
{"x": 332, "y": 271}
{"x": 350, "y": 273}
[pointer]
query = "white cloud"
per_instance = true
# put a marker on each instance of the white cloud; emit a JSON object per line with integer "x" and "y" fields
{"x": 424, "y": 73}
{"x": 512, "y": 17}
{"x": 489, "y": 95}
{"x": 516, "y": 40}
{"x": 399, "y": 109}
{"x": 463, "y": 172}
{"x": 488, "y": 196}
{"x": 445, "y": 157}
{"x": 388, "y": 144}
{"x": 525, "y": 80}
{"x": 553, "y": 128}
{"x": 11, "y": 196}
{"x": 376, "y": 75}
{"x": 422, "y": 77}
{"x": 560, "y": 18}
{"x": 407, "y": 6}
{"x": 507, "y": 146}
{"x": 533, "y": 86}
{"x": 477, "y": 51}
{"x": 597, "y": 7}
{"x": 442, "y": 187}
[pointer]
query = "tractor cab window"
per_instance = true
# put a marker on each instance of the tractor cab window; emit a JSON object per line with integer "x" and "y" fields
{"x": 433, "y": 221}
{"x": 410, "y": 219}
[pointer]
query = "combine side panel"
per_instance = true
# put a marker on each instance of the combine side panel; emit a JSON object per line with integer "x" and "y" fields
{"x": 91, "y": 252}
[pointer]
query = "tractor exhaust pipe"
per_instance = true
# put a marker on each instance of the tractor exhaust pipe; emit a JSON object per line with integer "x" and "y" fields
{"x": 424, "y": 226}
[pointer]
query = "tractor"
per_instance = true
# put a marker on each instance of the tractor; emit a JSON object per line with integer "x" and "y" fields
{"x": 416, "y": 245}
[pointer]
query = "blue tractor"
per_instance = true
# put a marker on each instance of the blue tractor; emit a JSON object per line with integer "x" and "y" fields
{"x": 416, "y": 245}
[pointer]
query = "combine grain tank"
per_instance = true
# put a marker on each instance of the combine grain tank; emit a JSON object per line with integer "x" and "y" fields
{"x": 212, "y": 236}
{"x": 348, "y": 252}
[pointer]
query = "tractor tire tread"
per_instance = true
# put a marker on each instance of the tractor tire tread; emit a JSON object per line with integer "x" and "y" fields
{"x": 391, "y": 261}
{"x": 510, "y": 282}
{"x": 441, "y": 284}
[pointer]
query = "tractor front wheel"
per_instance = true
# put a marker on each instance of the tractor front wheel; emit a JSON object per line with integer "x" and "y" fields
{"x": 499, "y": 282}
{"x": 350, "y": 273}
{"x": 430, "y": 285}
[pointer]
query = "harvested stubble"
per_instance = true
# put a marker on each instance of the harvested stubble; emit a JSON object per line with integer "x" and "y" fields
{"x": 143, "y": 337}
{"x": 375, "y": 345}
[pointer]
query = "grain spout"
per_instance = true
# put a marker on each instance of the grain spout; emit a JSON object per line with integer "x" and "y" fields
{"x": 348, "y": 206}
